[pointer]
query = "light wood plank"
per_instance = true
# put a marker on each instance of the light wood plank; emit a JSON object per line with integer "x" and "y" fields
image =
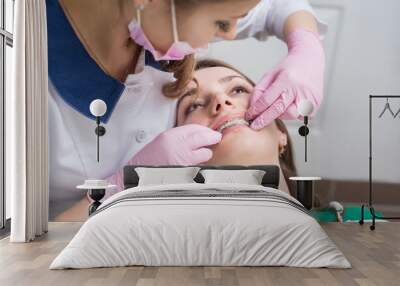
{"x": 375, "y": 257}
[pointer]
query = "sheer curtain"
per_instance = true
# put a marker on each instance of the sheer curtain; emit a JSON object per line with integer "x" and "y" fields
{"x": 26, "y": 124}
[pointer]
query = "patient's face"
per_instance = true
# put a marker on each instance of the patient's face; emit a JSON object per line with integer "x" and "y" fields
{"x": 218, "y": 98}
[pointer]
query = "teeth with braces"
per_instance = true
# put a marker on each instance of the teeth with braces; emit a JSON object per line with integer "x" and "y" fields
{"x": 230, "y": 123}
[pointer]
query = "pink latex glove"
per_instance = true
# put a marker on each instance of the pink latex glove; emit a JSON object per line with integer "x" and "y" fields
{"x": 183, "y": 145}
{"x": 299, "y": 76}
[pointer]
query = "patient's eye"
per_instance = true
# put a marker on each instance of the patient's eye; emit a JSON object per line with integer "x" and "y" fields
{"x": 192, "y": 107}
{"x": 223, "y": 26}
{"x": 239, "y": 90}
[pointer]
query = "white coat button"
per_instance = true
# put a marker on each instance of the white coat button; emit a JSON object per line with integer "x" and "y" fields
{"x": 140, "y": 136}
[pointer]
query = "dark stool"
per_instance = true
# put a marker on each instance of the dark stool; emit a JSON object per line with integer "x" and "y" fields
{"x": 96, "y": 190}
{"x": 305, "y": 190}
{"x": 96, "y": 195}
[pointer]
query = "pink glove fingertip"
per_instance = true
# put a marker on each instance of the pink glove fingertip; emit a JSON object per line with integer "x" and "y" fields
{"x": 201, "y": 139}
{"x": 201, "y": 155}
{"x": 217, "y": 137}
{"x": 260, "y": 122}
{"x": 255, "y": 110}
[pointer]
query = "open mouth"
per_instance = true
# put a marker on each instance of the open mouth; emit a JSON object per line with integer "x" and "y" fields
{"x": 231, "y": 123}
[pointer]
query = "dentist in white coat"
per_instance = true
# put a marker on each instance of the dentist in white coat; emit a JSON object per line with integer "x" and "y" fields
{"x": 129, "y": 52}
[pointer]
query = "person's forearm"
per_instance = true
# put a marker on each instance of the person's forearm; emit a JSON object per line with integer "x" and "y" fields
{"x": 299, "y": 76}
{"x": 300, "y": 19}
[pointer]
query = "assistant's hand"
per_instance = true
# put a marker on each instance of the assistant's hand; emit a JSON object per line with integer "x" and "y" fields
{"x": 184, "y": 145}
{"x": 299, "y": 76}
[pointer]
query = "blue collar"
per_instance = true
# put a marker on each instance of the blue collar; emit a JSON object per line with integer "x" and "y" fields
{"x": 76, "y": 76}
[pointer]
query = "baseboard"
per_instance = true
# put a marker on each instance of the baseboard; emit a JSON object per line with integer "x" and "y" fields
{"x": 357, "y": 192}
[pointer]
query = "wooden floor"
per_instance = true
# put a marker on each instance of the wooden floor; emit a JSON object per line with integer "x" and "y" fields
{"x": 375, "y": 257}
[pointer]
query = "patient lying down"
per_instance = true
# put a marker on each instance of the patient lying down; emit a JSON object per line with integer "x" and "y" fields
{"x": 217, "y": 97}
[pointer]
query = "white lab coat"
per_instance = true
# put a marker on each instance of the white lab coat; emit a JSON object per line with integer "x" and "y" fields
{"x": 142, "y": 112}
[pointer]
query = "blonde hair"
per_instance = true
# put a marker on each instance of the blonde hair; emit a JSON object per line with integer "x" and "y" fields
{"x": 183, "y": 71}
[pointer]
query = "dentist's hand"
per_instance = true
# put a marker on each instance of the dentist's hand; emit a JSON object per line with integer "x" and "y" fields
{"x": 183, "y": 145}
{"x": 299, "y": 76}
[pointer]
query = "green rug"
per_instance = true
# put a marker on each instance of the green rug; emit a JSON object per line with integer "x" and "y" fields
{"x": 351, "y": 213}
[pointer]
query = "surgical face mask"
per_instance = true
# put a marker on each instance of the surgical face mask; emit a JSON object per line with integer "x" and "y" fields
{"x": 177, "y": 51}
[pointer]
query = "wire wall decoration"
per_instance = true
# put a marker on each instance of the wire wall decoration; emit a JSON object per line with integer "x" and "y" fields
{"x": 387, "y": 111}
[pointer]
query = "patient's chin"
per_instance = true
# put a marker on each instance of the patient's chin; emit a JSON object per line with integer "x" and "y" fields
{"x": 244, "y": 146}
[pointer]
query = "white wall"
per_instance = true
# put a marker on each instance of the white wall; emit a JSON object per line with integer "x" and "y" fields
{"x": 363, "y": 57}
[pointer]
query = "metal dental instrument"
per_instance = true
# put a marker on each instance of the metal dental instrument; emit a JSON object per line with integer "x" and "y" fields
{"x": 98, "y": 108}
{"x": 387, "y": 107}
{"x": 305, "y": 108}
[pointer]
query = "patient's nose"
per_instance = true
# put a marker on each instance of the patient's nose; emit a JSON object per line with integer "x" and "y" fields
{"x": 221, "y": 103}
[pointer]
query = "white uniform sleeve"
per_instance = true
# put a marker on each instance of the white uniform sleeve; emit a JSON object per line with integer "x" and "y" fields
{"x": 269, "y": 16}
